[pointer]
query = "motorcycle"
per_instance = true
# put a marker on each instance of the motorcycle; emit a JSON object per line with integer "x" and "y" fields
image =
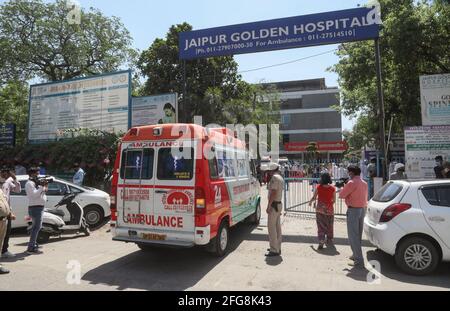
{"x": 53, "y": 223}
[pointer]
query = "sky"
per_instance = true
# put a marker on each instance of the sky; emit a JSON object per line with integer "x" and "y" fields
{"x": 148, "y": 19}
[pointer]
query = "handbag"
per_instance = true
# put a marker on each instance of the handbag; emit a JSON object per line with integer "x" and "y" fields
{"x": 5, "y": 210}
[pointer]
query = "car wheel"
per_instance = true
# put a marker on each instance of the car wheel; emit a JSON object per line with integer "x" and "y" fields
{"x": 417, "y": 256}
{"x": 94, "y": 216}
{"x": 220, "y": 242}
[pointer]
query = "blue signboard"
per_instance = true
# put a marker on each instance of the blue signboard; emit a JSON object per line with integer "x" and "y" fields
{"x": 8, "y": 135}
{"x": 286, "y": 33}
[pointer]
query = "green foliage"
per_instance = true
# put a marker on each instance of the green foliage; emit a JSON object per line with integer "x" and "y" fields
{"x": 37, "y": 41}
{"x": 414, "y": 41}
{"x": 14, "y": 107}
{"x": 215, "y": 90}
{"x": 94, "y": 150}
{"x": 363, "y": 134}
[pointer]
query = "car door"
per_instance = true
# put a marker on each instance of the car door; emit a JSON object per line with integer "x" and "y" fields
{"x": 435, "y": 202}
{"x": 19, "y": 206}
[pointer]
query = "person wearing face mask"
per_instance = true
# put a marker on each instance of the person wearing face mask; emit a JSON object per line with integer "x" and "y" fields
{"x": 355, "y": 194}
{"x": 439, "y": 168}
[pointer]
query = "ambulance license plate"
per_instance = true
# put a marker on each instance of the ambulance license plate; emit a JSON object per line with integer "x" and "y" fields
{"x": 154, "y": 237}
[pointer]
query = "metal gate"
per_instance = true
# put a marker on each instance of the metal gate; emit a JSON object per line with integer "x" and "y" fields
{"x": 299, "y": 191}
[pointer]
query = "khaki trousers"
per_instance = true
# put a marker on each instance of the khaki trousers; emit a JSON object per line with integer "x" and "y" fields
{"x": 274, "y": 227}
{"x": 3, "y": 226}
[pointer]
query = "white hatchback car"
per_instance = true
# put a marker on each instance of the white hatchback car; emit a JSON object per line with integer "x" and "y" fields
{"x": 95, "y": 203}
{"x": 411, "y": 221}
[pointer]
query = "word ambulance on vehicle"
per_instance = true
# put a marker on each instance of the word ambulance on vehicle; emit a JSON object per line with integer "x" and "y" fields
{"x": 182, "y": 185}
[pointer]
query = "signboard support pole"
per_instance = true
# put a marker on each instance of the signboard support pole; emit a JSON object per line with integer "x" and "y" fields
{"x": 183, "y": 115}
{"x": 381, "y": 113}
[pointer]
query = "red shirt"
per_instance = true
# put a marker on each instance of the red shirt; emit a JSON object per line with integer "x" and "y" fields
{"x": 326, "y": 195}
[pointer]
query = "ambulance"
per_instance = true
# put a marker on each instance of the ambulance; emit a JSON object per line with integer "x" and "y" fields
{"x": 182, "y": 185}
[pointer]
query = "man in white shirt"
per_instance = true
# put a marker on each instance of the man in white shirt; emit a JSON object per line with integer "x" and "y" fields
{"x": 79, "y": 175}
{"x": 10, "y": 184}
{"x": 36, "y": 202}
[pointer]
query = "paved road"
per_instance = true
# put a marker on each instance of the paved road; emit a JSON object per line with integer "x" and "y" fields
{"x": 108, "y": 265}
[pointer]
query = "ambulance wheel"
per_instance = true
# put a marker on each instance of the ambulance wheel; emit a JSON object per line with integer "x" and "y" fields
{"x": 220, "y": 242}
{"x": 43, "y": 237}
{"x": 255, "y": 218}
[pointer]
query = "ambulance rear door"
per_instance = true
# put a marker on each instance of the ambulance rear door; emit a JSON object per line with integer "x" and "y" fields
{"x": 175, "y": 189}
{"x": 135, "y": 193}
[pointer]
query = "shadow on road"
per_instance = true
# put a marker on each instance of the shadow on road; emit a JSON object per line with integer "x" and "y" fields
{"x": 327, "y": 251}
{"x": 303, "y": 239}
{"x": 163, "y": 268}
{"x": 440, "y": 278}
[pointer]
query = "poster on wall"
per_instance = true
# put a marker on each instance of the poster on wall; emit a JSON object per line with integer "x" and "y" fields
{"x": 435, "y": 98}
{"x": 158, "y": 109}
{"x": 422, "y": 145}
{"x": 100, "y": 102}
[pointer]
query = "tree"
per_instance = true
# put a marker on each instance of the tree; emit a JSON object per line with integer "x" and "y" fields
{"x": 14, "y": 107}
{"x": 414, "y": 41}
{"x": 215, "y": 90}
{"x": 93, "y": 149}
{"x": 37, "y": 41}
{"x": 312, "y": 151}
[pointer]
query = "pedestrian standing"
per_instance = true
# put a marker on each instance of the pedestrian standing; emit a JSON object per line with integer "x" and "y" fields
{"x": 325, "y": 195}
{"x": 274, "y": 209}
{"x": 355, "y": 193}
{"x": 10, "y": 185}
{"x": 439, "y": 168}
{"x": 36, "y": 202}
{"x": 399, "y": 172}
{"x": 5, "y": 213}
{"x": 78, "y": 178}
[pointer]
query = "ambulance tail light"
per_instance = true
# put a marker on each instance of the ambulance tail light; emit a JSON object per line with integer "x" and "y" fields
{"x": 200, "y": 201}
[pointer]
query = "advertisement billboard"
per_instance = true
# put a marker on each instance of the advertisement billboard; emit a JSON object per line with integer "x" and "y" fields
{"x": 158, "y": 109}
{"x": 99, "y": 102}
{"x": 435, "y": 97}
{"x": 422, "y": 145}
{"x": 285, "y": 33}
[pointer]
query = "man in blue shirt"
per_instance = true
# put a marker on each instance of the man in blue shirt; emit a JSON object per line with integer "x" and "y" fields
{"x": 79, "y": 175}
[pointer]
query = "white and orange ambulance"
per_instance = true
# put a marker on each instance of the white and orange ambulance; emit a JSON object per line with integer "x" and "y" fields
{"x": 182, "y": 185}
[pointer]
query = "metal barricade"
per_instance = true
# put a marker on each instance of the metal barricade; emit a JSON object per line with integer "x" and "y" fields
{"x": 299, "y": 191}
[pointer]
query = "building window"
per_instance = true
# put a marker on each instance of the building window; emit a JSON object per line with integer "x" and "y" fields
{"x": 285, "y": 119}
{"x": 286, "y": 139}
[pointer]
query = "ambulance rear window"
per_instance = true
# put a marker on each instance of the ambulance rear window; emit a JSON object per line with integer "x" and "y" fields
{"x": 175, "y": 164}
{"x": 137, "y": 164}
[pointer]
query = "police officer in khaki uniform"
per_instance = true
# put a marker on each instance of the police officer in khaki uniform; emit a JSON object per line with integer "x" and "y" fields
{"x": 274, "y": 209}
